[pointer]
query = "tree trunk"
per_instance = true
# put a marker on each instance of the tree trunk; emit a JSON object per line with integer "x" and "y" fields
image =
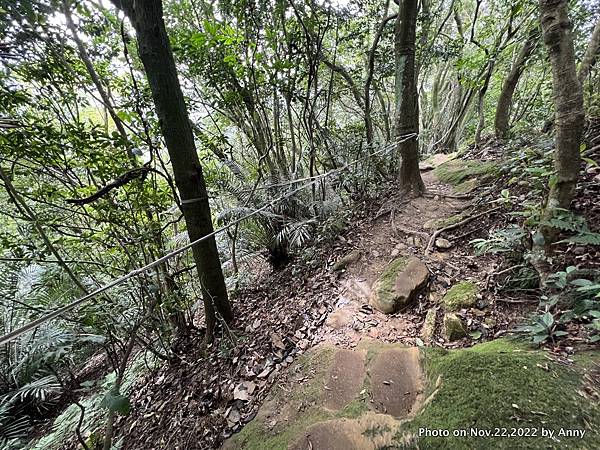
{"x": 157, "y": 58}
{"x": 106, "y": 100}
{"x": 568, "y": 102}
{"x": 407, "y": 109}
{"x": 590, "y": 54}
{"x": 502, "y": 117}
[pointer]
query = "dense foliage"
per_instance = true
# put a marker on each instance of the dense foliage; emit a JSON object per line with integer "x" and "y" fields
{"x": 279, "y": 93}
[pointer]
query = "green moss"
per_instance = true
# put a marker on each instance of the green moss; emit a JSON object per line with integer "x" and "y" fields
{"x": 466, "y": 186}
{"x": 502, "y": 384}
{"x": 461, "y": 295}
{"x": 255, "y": 435}
{"x": 355, "y": 408}
{"x": 437, "y": 224}
{"x": 388, "y": 277}
{"x": 315, "y": 366}
{"x": 457, "y": 171}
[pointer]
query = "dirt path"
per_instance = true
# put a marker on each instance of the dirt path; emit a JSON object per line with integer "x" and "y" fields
{"x": 402, "y": 230}
{"x": 354, "y": 389}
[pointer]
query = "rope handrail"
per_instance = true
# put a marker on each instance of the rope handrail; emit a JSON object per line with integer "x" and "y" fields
{"x": 313, "y": 180}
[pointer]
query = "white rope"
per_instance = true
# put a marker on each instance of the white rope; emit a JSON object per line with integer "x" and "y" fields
{"x": 36, "y": 323}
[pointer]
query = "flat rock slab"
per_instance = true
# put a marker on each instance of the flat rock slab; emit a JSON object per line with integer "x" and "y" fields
{"x": 396, "y": 381}
{"x": 346, "y": 378}
{"x": 369, "y": 432}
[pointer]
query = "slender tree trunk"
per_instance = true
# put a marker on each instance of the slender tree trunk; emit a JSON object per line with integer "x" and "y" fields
{"x": 157, "y": 58}
{"x": 385, "y": 112}
{"x": 30, "y": 214}
{"x": 106, "y": 100}
{"x": 502, "y": 117}
{"x": 370, "y": 73}
{"x": 481, "y": 102}
{"x": 568, "y": 102}
{"x": 591, "y": 54}
{"x": 407, "y": 108}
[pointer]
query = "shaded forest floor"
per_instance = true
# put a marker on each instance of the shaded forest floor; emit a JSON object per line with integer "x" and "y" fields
{"x": 322, "y": 302}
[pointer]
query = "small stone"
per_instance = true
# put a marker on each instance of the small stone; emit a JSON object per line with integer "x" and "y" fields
{"x": 395, "y": 252}
{"x": 344, "y": 262}
{"x": 461, "y": 295}
{"x": 489, "y": 322}
{"x": 428, "y": 330}
{"x": 436, "y": 198}
{"x": 453, "y": 327}
{"x": 443, "y": 244}
{"x": 414, "y": 241}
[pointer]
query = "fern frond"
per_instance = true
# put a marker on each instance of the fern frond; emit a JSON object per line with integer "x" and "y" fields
{"x": 41, "y": 389}
{"x": 584, "y": 239}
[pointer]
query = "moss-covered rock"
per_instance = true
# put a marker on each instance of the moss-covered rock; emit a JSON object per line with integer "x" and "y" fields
{"x": 461, "y": 295}
{"x": 458, "y": 171}
{"x": 302, "y": 406}
{"x": 345, "y": 261}
{"x": 399, "y": 284}
{"x": 453, "y": 327}
{"x": 506, "y": 387}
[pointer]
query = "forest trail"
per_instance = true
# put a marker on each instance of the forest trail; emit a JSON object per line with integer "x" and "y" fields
{"x": 399, "y": 229}
{"x": 355, "y": 388}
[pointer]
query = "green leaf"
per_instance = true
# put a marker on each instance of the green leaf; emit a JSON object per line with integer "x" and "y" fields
{"x": 475, "y": 335}
{"x": 581, "y": 282}
{"x": 547, "y": 319}
{"x": 538, "y": 338}
{"x": 117, "y": 402}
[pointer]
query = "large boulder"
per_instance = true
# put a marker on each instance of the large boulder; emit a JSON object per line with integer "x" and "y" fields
{"x": 399, "y": 284}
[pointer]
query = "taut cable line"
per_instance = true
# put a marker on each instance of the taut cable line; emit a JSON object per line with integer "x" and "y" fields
{"x": 311, "y": 181}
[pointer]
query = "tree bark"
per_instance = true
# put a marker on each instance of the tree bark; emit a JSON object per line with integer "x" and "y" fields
{"x": 407, "y": 108}
{"x": 568, "y": 102}
{"x": 157, "y": 58}
{"x": 591, "y": 54}
{"x": 502, "y": 117}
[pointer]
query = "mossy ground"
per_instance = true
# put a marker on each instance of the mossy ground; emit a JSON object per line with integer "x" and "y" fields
{"x": 303, "y": 401}
{"x": 458, "y": 171}
{"x": 461, "y": 295}
{"x": 502, "y": 384}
